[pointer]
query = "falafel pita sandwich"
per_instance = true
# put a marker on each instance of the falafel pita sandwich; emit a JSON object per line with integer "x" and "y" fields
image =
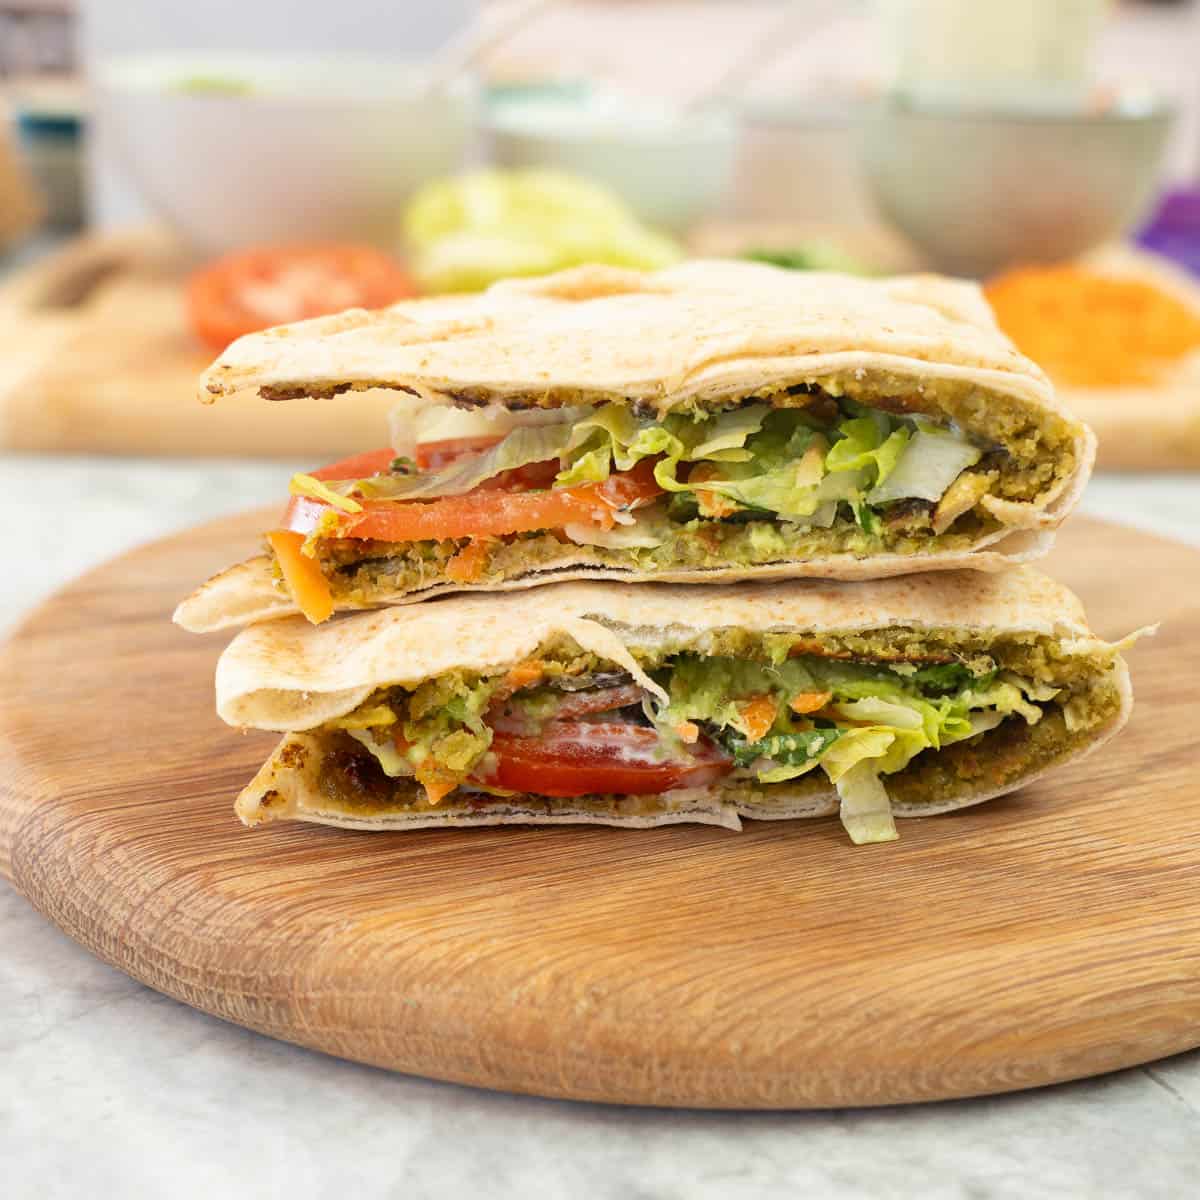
{"x": 710, "y": 422}
{"x": 613, "y": 705}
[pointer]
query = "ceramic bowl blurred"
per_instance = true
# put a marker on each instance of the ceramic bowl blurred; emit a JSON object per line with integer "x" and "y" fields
{"x": 671, "y": 168}
{"x": 799, "y": 162}
{"x": 234, "y": 150}
{"x": 980, "y": 190}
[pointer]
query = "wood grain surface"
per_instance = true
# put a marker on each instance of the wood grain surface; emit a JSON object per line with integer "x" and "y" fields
{"x": 1045, "y": 936}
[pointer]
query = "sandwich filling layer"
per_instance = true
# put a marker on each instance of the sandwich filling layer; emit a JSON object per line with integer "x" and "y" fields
{"x": 916, "y": 716}
{"x": 846, "y": 466}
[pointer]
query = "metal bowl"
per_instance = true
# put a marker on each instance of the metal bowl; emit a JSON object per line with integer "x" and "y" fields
{"x": 981, "y": 190}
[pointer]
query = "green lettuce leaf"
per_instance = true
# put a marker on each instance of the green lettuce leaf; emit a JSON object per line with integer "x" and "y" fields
{"x": 524, "y": 445}
{"x": 929, "y": 463}
{"x": 612, "y": 438}
{"x": 870, "y": 443}
{"x": 799, "y": 748}
{"x": 876, "y": 721}
{"x": 866, "y": 811}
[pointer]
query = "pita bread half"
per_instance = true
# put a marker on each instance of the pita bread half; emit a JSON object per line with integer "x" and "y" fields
{"x": 699, "y": 334}
{"x": 296, "y": 678}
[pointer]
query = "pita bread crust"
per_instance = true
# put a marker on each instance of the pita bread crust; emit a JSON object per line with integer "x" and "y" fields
{"x": 283, "y": 790}
{"x": 248, "y": 592}
{"x": 698, "y": 331}
{"x": 288, "y": 675}
{"x": 239, "y": 595}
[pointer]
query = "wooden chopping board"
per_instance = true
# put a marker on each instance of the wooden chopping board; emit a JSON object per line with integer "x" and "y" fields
{"x": 96, "y": 356}
{"x": 1041, "y": 937}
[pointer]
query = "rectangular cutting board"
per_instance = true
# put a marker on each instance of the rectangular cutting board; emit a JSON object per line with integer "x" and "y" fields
{"x": 96, "y": 356}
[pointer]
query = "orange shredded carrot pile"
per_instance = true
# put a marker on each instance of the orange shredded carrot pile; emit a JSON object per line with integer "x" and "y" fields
{"x": 758, "y": 715}
{"x": 1092, "y": 330}
{"x": 525, "y": 674}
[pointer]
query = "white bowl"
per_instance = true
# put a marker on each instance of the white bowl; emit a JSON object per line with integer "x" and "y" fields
{"x": 671, "y": 169}
{"x": 979, "y": 190}
{"x": 312, "y": 148}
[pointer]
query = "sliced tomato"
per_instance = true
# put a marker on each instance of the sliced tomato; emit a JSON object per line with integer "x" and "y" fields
{"x": 275, "y": 285}
{"x": 481, "y": 513}
{"x": 598, "y": 700}
{"x": 431, "y": 456}
{"x": 632, "y": 488}
{"x": 506, "y": 504}
{"x": 358, "y": 466}
{"x": 530, "y": 477}
{"x": 579, "y": 758}
{"x": 570, "y": 705}
{"x": 477, "y": 514}
{"x": 302, "y": 514}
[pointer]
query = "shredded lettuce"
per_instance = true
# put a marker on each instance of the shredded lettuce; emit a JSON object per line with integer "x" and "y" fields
{"x": 868, "y": 443}
{"x": 930, "y": 462}
{"x": 866, "y": 811}
{"x": 878, "y": 718}
{"x": 390, "y": 760}
{"x": 801, "y": 748}
{"x": 776, "y": 461}
{"x": 316, "y": 489}
{"x": 641, "y": 535}
{"x": 524, "y": 445}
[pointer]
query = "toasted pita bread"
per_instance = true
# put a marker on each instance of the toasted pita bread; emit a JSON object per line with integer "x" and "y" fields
{"x": 701, "y": 334}
{"x": 251, "y": 591}
{"x": 296, "y": 678}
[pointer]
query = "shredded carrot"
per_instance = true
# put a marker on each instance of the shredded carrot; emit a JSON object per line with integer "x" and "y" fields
{"x": 688, "y": 732}
{"x": 523, "y": 675}
{"x": 710, "y": 503}
{"x": 758, "y": 715}
{"x": 467, "y": 565}
{"x": 809, "y": 702}
{"x": 302, "y": 574}
{"x": 1093, "y": 330}
{"x": 436, "y": 787}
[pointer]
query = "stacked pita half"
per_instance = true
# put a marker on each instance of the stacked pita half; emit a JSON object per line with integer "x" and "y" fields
{"x": 773, "y": 524}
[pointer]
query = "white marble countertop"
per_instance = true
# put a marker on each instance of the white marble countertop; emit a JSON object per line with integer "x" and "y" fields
{"x": 109, "y": 1089}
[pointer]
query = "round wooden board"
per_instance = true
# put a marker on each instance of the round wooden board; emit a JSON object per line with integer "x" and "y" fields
{"x": 1045, "y": 936}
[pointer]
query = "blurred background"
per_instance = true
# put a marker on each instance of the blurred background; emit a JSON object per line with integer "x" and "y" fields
{"x": 175, "y": 174}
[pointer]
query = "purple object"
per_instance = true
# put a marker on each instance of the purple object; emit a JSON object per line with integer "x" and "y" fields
{"x": 1174, "y": 230}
